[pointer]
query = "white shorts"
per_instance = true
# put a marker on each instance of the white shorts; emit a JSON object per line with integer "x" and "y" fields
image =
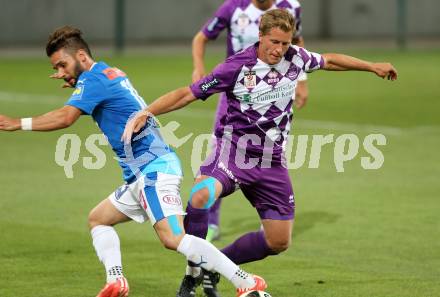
{"x": 153, "y": 197}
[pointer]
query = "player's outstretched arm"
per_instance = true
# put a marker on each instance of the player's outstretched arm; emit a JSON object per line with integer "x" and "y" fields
{"x": 198, "y": 52}
{"x": 339, "y": 62}
{"x": 54, "y": 120}
{"x": 171, "y": 101}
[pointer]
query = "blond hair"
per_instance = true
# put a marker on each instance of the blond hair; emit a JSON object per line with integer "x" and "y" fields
{"x": 277, "y": 18}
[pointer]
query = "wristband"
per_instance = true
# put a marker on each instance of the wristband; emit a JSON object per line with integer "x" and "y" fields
{"x": 26, "y": 124}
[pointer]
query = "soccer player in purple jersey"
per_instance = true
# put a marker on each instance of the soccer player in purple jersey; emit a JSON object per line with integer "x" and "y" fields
{"x": 241, "y": 19}
{"x": 259, "y": 83}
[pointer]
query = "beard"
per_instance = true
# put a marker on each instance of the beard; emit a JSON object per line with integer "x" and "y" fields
{"x": 77, "y": 71}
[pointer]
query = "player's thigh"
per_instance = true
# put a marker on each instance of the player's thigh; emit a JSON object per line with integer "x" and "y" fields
{"x": 105, "y": 213}
{"x": 170, "y": 231}
{"x": 271, "y": 193}
{"x": 278, "y": 233}
{"x": 160, "y": 196}
{"x": 216, "y": 177}
{"x": 128, "y": 199}
{"x": 206, "y": 189}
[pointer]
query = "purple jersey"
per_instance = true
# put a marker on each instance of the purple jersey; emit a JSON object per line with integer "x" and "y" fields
{"x": 242, "y": 18}
{"x": 259, "y": 97}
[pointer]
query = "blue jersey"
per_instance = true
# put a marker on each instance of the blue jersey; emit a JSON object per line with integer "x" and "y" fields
{"x": 107, "y": 95}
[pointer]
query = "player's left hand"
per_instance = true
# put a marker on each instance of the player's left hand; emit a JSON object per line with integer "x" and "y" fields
{"x": 9, "y": 124}
{"x": 134, "y": 125}
{"x": 385, "y": 70}
{"x": 300, "y": 102}
{"x": 302, "y": 94}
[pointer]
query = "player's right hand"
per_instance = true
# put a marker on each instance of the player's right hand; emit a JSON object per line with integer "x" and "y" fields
{"x": 9, "y": 124}
{"x": 65, "y": 84}
{"x": 385, "y": 70}
{"x": 134, "y": 125}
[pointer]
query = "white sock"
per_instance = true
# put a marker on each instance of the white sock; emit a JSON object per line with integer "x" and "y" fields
{"x": 207, "y": 256}
{"x": 107, "y": 247}
{"x": 193, "y": 271}
{"x": 243, "y": 280}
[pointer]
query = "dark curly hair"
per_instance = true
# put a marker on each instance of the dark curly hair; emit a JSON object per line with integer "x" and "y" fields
{"x": 66, "y": 37}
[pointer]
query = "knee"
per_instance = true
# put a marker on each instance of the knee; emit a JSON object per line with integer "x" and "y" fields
{"x": 279, "y": 245}
{"x": 203, "y": 193}
{"x": 93, "y": 219}
{"x": 171, "y": 243}
{"x": 200, "y": 198}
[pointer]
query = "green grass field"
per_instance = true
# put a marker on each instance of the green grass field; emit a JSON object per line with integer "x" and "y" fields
{"x": 361, "y": 233}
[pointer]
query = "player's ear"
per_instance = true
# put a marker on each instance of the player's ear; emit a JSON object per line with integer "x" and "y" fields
{"x": 81, "y": 55}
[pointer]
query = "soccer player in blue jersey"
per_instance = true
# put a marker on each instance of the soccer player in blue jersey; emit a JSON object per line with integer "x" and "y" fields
{"x": 151, "y": 170}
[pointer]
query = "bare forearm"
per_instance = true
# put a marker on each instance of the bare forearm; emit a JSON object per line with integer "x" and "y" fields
{"x": 54, "y": 120}
{"x": 342, "y": 62}
{"x": 50, "y": 121}
{"x": 171, "y": 101}
{"x": 339, "y": 62}
{"x": 198, "y": 50}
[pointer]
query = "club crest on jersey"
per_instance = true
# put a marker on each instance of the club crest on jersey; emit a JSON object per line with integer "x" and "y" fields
{"x": 293, "y": 72}
{"x": 77, "y": 93}
{"x": 272, "y": 77}
{"x": 250, "y": 79}
{"x": 243, "y": 21}
{"x": 209, "y": 84}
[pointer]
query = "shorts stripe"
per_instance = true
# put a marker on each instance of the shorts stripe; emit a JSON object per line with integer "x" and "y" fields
{"x": 153, "y": 200}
